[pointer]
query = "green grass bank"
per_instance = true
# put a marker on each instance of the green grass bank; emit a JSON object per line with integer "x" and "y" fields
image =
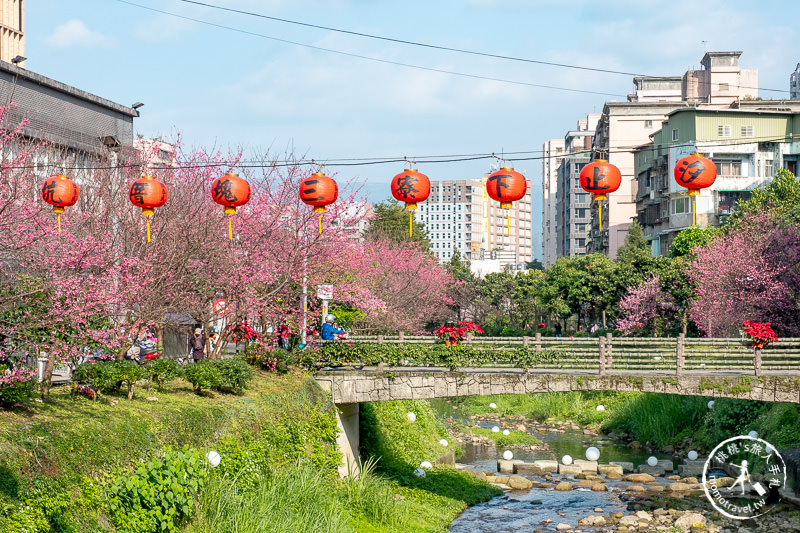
{"x": 658, "y": 419}
{"x": 71, "y": 464}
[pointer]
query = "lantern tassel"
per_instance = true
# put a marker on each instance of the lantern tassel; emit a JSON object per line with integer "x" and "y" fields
{"x": 148, "y": 229}
{"x": 508, "y": 224}
{"x": 600, "y": 214}
{"x": 320, "y": 223}
{"x": 694, "y": 211}
{"x": 59, "y": 222}
{"x": 230, "y": 227}
{"x": 410, "y": 225}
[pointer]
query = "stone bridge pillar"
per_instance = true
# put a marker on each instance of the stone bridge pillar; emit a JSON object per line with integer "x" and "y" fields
{"x": 347, "y": 439}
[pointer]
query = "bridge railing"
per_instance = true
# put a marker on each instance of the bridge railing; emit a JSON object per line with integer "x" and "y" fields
{"x": 601, "y": 354}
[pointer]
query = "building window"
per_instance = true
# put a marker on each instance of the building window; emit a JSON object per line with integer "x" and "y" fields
{"x": 724, "y": 130}
{"x": 747, "y": 131}
{"x": 728, "y": 167}
{"x": 768, "y": 168}
{"x": 724, "y": 87}
{"x": 681, "y": 205}
{"x": 648, "y": 123}
{"x": 674, "y": 135}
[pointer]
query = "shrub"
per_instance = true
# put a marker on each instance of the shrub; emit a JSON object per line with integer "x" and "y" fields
{"x": 98, "y": 376}
{"x": 233, "y": 374}
{"x": 160, "y": 495}
{"x": 16, "y": 386}
{"x": 161, "y": 371}
{"x": 202, "y": 375}
{"x": 129, "y": 373}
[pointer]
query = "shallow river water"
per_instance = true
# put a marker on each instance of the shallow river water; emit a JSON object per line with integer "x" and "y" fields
{"x": 529, "y": 510}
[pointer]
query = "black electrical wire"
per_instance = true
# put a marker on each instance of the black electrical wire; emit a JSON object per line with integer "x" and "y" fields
{"x": 403, "y": 41}
{"x": 432, "y": 159}
{"x": 377, "y": 60}
{"x": 436, "y": 47}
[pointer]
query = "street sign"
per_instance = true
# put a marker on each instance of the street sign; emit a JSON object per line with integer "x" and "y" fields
{"x": 221, "y": 307}
{"x": 325, "y": 292}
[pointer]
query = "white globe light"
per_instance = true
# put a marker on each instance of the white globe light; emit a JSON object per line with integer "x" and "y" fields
{"x": 443, "y": 442}
{"x": 507, "y": 455}
{"x": 753, "y": 434}
{"x": 710, "y": 404}
{"x": 506, "y": 432}
{"x": 419, "y": 472}
{"x": 600, "y": 408}
{"x": 493, "y": 405}
{"x": 213, "y": 458}
{"x": 692, "y": 455}
{"x": 567, "y": 460}
{"x": 652, "y": 461}
{"x": 495, "y": 429}
{"x": 768, "y": 449}
{"x": 411, "y": 416}
{"x": 426, "y": 464}
{"x": 592, "y": 453}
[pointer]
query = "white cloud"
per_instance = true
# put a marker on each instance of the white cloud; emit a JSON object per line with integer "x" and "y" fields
{"x": 74, "y": 33}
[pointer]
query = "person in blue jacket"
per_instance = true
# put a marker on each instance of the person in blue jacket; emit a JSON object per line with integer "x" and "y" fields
{"x": 330, "y": 333}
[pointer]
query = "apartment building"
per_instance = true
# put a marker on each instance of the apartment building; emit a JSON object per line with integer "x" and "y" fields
{"x": 12, "y": 32}
{"x": 552, "y": 155}
{"x": 460, "y": 217}
{"x": 573, "y": 204}
{"x": 625, "y": 126}
{"x": 794, "y": 84}
{"x": 747, "y": 144}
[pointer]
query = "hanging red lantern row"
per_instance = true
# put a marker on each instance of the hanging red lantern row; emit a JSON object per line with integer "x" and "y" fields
{"x": 506, "y": 186}
{"x": 230, "y": 191}
{"x": 149, "y": 194}
{"x": 411, "y": 187}
{"x": 600, "y": 178}
{"x": 60, "y": 192}
{"x": 319, "y": 190}
{"x": 695, "y": 172}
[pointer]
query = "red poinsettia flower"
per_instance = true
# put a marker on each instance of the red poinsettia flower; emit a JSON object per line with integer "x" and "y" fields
{"x": 759, "y": 332}
{"x": 457, "y": 332}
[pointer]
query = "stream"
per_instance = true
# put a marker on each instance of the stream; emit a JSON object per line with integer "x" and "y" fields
{"x": 526, "y": 510}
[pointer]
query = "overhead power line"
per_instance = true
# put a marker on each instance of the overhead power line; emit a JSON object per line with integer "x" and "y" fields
{"x": 439, "y": 47}
{"x": 368, "y": 58}
{"x": 403, "y": 41}
{"x": 424, "y": 160}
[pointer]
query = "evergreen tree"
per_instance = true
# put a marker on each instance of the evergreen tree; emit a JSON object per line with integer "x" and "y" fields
{"x": 390, "y": 223}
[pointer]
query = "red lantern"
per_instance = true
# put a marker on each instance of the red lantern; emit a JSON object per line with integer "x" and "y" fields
{"x": 600, "y": 178}
{"x": 148, "y": 193}
{"x": 695, "y": 172}
{"x": 411, "y": 187}
{"x": 318, "y": 190}
{"x": 60, "y": 192}
{"x": 230, "y": 191}
{"x": 506, "y": 186}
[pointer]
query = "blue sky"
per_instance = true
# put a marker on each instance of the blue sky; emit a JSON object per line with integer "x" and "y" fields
{"x": 229, "y": 89}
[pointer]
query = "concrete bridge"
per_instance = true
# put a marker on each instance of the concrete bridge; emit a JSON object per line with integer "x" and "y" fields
{"x": 729, "y": 371}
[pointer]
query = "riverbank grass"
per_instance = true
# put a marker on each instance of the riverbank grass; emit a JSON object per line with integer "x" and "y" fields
{"x": 61, "y": 459}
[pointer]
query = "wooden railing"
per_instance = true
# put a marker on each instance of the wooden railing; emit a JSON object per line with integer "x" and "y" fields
{"x": 629, "y": 353}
